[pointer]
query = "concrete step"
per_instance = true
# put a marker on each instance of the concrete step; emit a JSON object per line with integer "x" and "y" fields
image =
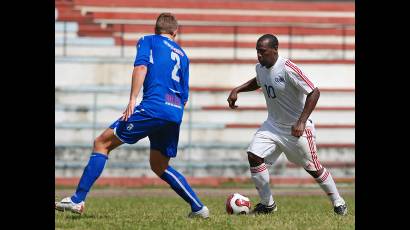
{"x": 83, "y": 41}
{"x": 201, "y": 116}
{"x": 221, "y": 135}
{"x": 133, "y": 160}
{"x": 227, "y": 4}
{"x": 204, "y": 52}
{"x": 279, "y": 30}
{"x": 65, "y": 101}
{"x": 136, "y": 18}
{"x": 77, "y": 72}
{"x": 140, "y": 153}
{"x": 187, "y": 39}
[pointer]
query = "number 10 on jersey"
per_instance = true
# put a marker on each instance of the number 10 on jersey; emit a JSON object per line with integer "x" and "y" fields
{"x": 270, "y": 91}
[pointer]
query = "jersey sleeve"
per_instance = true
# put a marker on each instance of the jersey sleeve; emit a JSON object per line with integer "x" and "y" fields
{"x": 257, "y": 75}
{"x": 185, "y": 83}
{"x": 144, "y": 55}
{"x": 298, "y": 78}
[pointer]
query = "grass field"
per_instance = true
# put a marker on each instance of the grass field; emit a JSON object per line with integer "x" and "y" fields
{"x": 169, "y": 212}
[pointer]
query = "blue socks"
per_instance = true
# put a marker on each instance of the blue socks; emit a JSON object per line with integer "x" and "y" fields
{"x": 91, "y": 173}
{"x": 96, "y": 165}
{"x": 181, "y": 186}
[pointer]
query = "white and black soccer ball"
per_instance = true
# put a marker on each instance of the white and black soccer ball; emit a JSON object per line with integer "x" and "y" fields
{"x": 238, "y": 204}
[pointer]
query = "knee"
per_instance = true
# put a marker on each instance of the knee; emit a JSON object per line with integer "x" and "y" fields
{"x": 254, "y": 160}
{"x": 100, "y": 144}
{"x": 158, "y": 162}
{"x": 157, "y": 169}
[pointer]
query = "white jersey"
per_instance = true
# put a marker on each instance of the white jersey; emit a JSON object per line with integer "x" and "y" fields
{"x": 285, "y": 87}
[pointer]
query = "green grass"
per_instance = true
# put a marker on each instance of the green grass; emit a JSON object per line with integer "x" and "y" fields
{"x": 294, "y": 212}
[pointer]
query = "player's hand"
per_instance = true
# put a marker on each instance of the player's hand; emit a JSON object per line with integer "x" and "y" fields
{"x": 233, "y": 96}
{"x": 128, "y": 111}
{"x": 298, "y": 128}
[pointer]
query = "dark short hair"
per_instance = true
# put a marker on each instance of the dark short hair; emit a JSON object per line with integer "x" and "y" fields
{"x": 166, "y": 24}
{"x": 273, "y": 41}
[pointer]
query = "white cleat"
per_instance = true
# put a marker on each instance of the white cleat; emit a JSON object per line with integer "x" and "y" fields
{"x": 203, "y": 213}
{"x": 67, "y": 204}
{"x": 340, "y": 207}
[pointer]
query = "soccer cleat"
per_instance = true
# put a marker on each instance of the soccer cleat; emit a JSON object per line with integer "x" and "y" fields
{"x": 340, "y": 207}
{"x": 264, "y": 209}
{"x": 69, "y": 205}
{"x": 203, "y": 213}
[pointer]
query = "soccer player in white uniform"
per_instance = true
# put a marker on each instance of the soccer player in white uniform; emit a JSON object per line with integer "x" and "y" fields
{"x": 290, "y": 98}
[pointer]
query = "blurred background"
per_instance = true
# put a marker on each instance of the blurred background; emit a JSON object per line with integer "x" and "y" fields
{"x": 94, "y": 54}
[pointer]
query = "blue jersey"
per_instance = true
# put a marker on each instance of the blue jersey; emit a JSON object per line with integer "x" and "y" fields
{"x": 166, "y": 83}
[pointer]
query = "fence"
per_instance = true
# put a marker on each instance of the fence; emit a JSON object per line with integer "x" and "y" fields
{"x": 294, "y": 33}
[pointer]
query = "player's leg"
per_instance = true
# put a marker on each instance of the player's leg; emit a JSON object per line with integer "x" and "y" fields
{"x": 304, "y": 154}
{"x": 118, "y": 133}
{"x": 260, "y": 177}
{"x": 262, "y": 148}
{"x": 103, "y": 144}
{"x": 159, "y": 164}
{"x": 322, "y": 176}
{"x": 164, "y": 146}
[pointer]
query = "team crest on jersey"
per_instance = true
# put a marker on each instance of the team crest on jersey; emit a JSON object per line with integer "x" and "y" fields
{"x": 279, "y": 79}
{"x": 130, "y": 126}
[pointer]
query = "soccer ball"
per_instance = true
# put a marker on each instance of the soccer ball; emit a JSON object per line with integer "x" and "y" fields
{"x": 238, "y": 204}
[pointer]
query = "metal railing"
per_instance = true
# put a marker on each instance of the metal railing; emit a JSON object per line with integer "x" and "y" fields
{"x": 97, "y": 106}
{"x": 292, "y": 33}
{"x": 188, "y": 163}
{"x": 95, "y": 92}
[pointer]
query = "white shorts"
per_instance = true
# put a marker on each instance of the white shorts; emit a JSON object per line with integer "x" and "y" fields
{"x": 271, "y": 140}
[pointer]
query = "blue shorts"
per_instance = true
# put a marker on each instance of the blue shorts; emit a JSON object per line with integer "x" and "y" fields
{"x": 163, "y": 135}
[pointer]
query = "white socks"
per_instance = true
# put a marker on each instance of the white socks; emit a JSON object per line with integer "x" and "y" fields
{"x": 260, "y": 177}
{"x": 328, "y": 185}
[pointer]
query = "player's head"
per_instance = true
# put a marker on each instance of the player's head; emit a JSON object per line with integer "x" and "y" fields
{"x": 267, "y": 50}
{"x": 166, "y": 24}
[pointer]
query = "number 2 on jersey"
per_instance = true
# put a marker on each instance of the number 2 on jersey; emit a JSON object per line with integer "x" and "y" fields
{"x": 177, "y": 66}
{"x": 270, "y": 91}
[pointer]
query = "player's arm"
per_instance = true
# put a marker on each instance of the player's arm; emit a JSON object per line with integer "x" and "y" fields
{"x": 185, "y": 84}
{"x": 142, "y": 60}
{"x": 310, "y": 104}
{"x": 301, "y": 81}
{"x": 138, "y": 77}
{"x": 250, "y": 85}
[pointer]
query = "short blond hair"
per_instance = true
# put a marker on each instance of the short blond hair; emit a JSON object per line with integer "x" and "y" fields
{"x": 166, "y": 24}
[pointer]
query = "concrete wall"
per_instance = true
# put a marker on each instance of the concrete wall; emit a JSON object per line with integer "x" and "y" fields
{"x": 230, "y": 162}
{"x": 70, "y": 73}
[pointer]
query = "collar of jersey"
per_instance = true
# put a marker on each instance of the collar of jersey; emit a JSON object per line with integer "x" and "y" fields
{"x": 165, "y": 36}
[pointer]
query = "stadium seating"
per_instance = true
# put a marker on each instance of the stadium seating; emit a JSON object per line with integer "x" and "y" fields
{"x": 230, "y": 31}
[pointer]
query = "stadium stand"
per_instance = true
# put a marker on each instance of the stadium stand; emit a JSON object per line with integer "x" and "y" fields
{"x": 95, "y": 47}
{"x": 230, "y": 31}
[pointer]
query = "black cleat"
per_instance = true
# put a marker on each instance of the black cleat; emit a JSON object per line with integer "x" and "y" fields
{"x": 264, "y": 209}
{"x": 341, "y": 209}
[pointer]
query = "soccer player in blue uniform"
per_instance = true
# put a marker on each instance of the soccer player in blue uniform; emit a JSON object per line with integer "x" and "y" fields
{"x": 162, "y": 67}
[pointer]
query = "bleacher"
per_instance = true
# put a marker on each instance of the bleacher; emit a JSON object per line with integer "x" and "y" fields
{"x": 95, "y": 48}
{"x": 218, "y": 30}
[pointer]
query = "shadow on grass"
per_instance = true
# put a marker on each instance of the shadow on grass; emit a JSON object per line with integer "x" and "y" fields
{"x": 73, "y": 216}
